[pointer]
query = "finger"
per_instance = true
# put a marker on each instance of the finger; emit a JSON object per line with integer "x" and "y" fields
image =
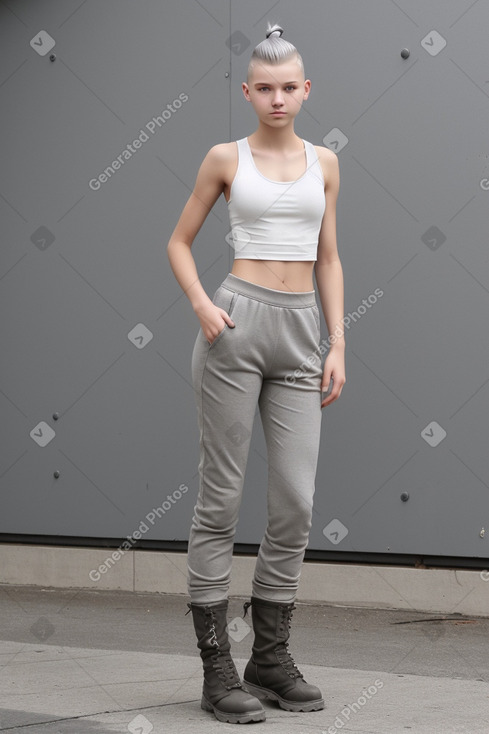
{"x": 330, "y": 398}
{"x": 328, "y": 383}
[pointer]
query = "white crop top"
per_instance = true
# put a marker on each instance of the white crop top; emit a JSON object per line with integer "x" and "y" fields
{"x": 276, "y": 220}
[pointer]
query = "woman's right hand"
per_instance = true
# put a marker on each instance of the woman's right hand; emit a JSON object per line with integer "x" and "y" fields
{"x": 213, "y": 320}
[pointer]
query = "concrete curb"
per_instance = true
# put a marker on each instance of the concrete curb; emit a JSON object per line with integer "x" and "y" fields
{"x": 444, "y": 591}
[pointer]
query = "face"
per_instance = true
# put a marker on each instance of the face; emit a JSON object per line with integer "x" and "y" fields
{"x": 277, "y": 88}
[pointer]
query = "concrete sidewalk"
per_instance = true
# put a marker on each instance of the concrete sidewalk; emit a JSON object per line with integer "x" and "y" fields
{"x": 94, "y": 662}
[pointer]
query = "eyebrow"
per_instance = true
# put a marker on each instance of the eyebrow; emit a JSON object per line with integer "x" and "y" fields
{"x": 267, "y": 84}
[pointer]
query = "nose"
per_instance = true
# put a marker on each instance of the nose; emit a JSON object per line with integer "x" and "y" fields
{"x": 278, "y": 98}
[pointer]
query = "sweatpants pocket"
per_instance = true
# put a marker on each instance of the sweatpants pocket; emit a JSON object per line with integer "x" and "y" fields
{"x": 225, "y": 299}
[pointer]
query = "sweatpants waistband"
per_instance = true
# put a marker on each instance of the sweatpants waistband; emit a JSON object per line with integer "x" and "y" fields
{"x": 289, "y": 299}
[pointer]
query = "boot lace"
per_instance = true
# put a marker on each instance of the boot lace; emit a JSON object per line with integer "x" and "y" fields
{"x": 226, "y": 670}
{"x": 282, "y": 651}
{"x": 222, "y": 662}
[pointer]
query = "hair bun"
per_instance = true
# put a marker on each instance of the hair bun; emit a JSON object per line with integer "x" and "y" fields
{"x": 275, "y": 30}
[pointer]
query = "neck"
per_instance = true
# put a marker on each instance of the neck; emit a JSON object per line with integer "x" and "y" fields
{"x": 275, "y": 138}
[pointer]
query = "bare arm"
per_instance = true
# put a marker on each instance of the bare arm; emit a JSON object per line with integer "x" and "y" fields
{"x": 208, "y": 187}
{"x": 328, "y": 270}
{"x": 329, "y": 278}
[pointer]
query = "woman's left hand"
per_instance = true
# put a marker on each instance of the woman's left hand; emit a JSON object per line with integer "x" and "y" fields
{"x": 334, "y": 367}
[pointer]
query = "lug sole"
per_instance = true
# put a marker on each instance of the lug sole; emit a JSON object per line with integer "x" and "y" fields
{"x": 305, "y": 706}
{"x": 231, "y": 718}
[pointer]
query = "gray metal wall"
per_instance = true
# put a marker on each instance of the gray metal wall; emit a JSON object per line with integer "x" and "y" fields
{"x": 96, "y": 331}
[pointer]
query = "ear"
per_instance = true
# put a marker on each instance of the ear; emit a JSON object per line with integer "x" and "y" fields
{"x": 307, "y": 88}
{"x": 246, "y": 91}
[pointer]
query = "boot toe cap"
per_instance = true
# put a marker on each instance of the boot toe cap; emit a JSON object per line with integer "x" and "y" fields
{"x": 303, "y": 692}
{"x": 239, "y": 701}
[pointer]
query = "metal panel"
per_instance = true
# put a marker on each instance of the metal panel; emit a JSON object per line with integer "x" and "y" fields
{"x": 95, "y": 328}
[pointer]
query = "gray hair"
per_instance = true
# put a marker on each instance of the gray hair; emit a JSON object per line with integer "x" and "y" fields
{"x": 274, "y": 50}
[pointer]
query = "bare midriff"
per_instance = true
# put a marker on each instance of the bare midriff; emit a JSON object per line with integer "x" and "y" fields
{"x": 290, "y": 275}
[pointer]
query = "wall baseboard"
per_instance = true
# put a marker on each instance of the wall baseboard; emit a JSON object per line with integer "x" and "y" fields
{"x": 436, "y": 590}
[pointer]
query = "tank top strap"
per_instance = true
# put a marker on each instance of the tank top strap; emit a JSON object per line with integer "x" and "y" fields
{"x": 244, "y": 150}
{"x": 313, "y": 163}
{"x": 245, "y": 159}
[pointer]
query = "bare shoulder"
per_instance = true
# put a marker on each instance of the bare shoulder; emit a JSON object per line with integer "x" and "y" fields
{"x": 327, "y": 157}
{"x": 329, "y": 163}
{"x": 223, "y": 153}
{"x": 223, "y": 159}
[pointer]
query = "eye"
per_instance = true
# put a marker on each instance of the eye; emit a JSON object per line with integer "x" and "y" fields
{"x": 289, "y": 86}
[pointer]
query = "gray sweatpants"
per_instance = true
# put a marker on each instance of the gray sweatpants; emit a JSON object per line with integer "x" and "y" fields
{"x": 270, "y": 358}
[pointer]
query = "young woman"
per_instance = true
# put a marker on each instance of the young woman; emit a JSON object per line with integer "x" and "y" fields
{"x": 258, "y": 345}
